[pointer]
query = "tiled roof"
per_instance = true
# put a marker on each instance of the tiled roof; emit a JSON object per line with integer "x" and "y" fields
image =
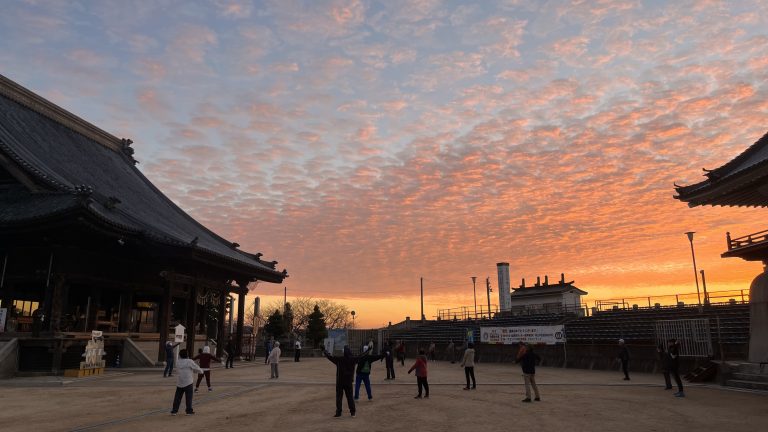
{"x": 69, "y": 164}
{"x": 540, "y": 290}
{"x": 735, "y": 183}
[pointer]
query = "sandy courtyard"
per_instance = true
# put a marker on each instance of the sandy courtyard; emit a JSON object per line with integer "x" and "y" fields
{"x": 244, "y": 398}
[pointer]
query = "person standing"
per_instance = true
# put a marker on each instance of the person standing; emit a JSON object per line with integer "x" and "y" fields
{"x": 267, "y": 348}
{"x": 450, "y": 352}
{"x": 170, "y": 356}
{"x": 205, "y": 358}
{"x": 230, "y": 349}
{"x": 624, "y": 358}
{"x": 673, "y": 355}
{"x": 421, "y": 374}
{"x": 432, "y": 351}
{"x": 661, "y": 354}
{"x": 274, "y": 361}
{"x": 527, "y": 359}
{"x": 401, "y": 353}
{"x": 184, "y": 380}
{"x": 345, "y": 372}
{"x": 468, "y": 363}
{"x": 389, "y": 361}
{"x": 363, "y": 372}
{"x": 296, "y": 351}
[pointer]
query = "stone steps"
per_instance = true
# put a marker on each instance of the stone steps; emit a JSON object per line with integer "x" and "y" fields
{"x": 741, "y": 376}
{"x": 753, "y": 385}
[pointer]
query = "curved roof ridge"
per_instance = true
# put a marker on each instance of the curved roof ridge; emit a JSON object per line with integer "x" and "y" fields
{"x": 43, "y": 106}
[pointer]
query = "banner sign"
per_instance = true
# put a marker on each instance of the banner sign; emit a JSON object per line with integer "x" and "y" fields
{"x": 549, "y": 335}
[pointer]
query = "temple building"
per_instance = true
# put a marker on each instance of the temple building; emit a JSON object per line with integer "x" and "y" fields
{"x": 87, "y": 242}
{"x": 742, "y": 182}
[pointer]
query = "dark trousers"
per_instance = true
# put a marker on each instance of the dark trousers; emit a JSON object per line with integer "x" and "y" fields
{"x": 625, "y": 368}
{"x": 266, "y": 356}
{"x": 675, "y": 374}
{"x": 230, "y": 360}
{"x": 401, "y": 358}
{"x": 296, "y": 355}
{"x": 168, "y": 366}
{"x": 469, "y": 372}
{"x": 207, "y": 375}
{"x": 366, "y": 379}
{"x": 345, "y": 390}
{"x": 390, "y": 369}
{"x": 187, "y": 392}
{"x": 422, "y": 383}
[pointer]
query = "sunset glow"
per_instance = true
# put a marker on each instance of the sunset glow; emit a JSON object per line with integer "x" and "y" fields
{"x": 366, "y": 144}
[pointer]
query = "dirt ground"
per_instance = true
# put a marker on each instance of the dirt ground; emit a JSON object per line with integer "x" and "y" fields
{"x": 244, "y": 398}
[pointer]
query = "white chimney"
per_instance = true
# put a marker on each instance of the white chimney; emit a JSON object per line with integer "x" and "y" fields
{"x": 505, "y": 301}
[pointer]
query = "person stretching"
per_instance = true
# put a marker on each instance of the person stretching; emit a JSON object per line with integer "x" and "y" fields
{"x": 205, "y": 358}
{"x": 345, "y": 372}
{"x": 421, "y": 374}
{"x": 184, "y": 380}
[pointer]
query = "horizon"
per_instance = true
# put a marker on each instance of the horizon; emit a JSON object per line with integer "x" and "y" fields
{"x": 367, "y": 144}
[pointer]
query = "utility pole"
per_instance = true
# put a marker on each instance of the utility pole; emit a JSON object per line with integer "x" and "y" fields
{"x": 422, "y": 299}
{"x": 488, "y": 290}
{"x": 704, "y": 285}
{"x": 695, "y": 272}
{"x": 474, "y": 290}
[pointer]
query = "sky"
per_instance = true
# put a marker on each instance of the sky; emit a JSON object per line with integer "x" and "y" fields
{"x": 367, "y": 144}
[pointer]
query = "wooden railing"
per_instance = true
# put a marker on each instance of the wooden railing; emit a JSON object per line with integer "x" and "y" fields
{"x": 747, "y": 240}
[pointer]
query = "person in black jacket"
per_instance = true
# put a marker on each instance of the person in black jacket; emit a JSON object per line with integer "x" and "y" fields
{"x": 345, "y": 373}
{"x": 527, "y": 359}
{"x": 389, "y": 360}
{"x": 624, "y": 358}
{"x": 673, "y": 365}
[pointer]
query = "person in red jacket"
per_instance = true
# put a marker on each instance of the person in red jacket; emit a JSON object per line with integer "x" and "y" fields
{"x": 205, "y": 358}
{"x": 421, "y": 374}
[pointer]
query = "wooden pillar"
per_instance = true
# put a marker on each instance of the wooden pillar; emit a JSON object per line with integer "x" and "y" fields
{"x": 191, "y": 319}
{"x": 240, "y": 317}
{"x": 220, "y": 339}
{"x": 57, "y": 307}
{"x": 126, "y": 307}
{"x": 165, "y": 319}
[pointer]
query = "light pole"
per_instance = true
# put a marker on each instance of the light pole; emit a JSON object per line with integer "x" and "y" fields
{"x": 353, "y": 319}
{"x": 474, "y": 290}
{"x": 695, "y": 272}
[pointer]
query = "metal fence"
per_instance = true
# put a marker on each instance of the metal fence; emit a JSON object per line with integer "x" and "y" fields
{"x": 693, "y": 335}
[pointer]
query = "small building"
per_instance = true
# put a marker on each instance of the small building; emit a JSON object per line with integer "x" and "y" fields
{"x": 742, "y": 182}
{"x": 560, "y": 297}
{"x": 87, "y": 242}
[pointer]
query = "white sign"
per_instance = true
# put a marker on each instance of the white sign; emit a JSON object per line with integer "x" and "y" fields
{"x": 549, "y": 335}
{"x": 3, "y": 315}
{"x": 179, "y": 333}
{"x": 328, "y": 343}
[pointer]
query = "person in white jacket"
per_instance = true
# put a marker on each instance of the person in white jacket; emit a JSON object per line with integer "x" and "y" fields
{"x": 273, "y": 360}
{"x": 185, "y": 376}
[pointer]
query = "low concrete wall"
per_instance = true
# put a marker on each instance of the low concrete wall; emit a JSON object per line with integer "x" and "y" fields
{"x": 9, "y": 358}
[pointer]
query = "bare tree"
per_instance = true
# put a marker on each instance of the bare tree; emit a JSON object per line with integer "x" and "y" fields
{"x": 336, "y": 314}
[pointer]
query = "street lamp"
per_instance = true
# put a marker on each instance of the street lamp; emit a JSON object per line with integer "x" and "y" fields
{"x": 474, "y": 290}
{"x": 695, "y": 272}
{"x": 353, "y": 319}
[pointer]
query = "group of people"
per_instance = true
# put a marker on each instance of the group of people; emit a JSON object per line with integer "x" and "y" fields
{"x": 186, "y": 368}
{"x": 357, "y": 369}
{"x": 668, "y": 357}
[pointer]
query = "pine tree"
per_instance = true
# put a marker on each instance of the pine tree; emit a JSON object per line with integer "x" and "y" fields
{"x": 316, "y": 330}
{"x": 275, "y": 326}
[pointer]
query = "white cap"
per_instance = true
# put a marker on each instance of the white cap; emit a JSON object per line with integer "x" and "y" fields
{"x": 365, "y": 348}
{"x": 621, "y": 340}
